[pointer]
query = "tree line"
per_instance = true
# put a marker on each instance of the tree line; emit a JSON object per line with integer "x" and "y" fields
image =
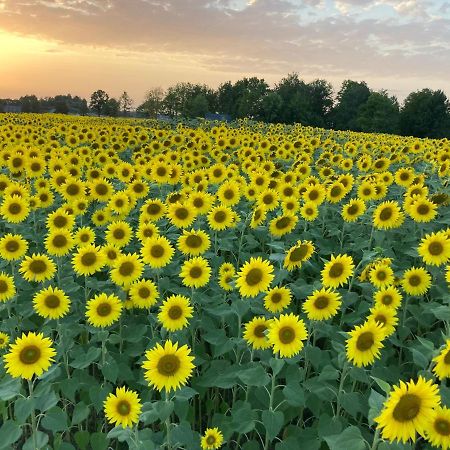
{"x": 424, "y": 113}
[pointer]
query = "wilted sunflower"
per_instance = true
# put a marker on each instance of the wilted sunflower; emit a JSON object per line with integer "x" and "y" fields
{"x": 51, "y": 303}
{"x": 442, "y": 367}
{"x": 194, "y": 242}
{"x": 435, "y": 249}
{"x": 409, "y": 409}
{"x": 31, "y": 354}
{"x": 297, "y": 254}
{"x": 279, "y": 226}
{"x": 168, "y": 367}
{"x": 175, "y": 312}
{"x": 143, "y": 293}
{"x": 127, "y": 268}
{"x": 286, "y": 335}
{"x": 381, "y": 276}
{"x": 12, "y": 247}
{"x": 103, "y": 310}
{"x": 277, "y": 299}
{"x": 389, "y": 296}
{"x": 212, "y": 439}
{"x": 386, "y": 215}
{"x": 364, "y": 343}
{"x": 322, "y": 304}
{"x": 255, "y": 333}
{"x": 123, "y": 408}
{"x": 254, "y": 277}
{"x": 88, "y": 260}
{"x": 157, "y": 251}
{"x": 337, "y": 271}
{"x": 7, "y": 287}
{"x": 38, "y": 267}
{"x": 416, "y": 281}
{"x": 195, "y": 272}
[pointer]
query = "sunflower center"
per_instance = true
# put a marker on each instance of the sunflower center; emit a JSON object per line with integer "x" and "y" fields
{"x": 175, "y": 312}
{"x": 59, "y": 241}
{"x": 442, "y": 426}
{"x": 15, "y": 208}
{"x": 414, "y": 280}
{"x": 313, "y": 195}
{"x": 299, "y": 253}
{"x": 104, "y": 309}
{"x": 73, "y": 189}
{"x": 435, "y": 248}
{"x": 220, "y": 216}
{"x": 194, "y": 241}
{"x": 157, "y": 251}
{"x": 276, "y": 297}
{"x": 196, "y": 272}
{"x": 118, "y": 233}
{"x": 144, "y": 292}
{"x": 126, "y": 268}
{"x": 3, "y": 286}
{"x": 387, "y": 299}
{"x": 12, "y": 246}
{"x": 60, "y": 221}
{"x": 254, "y": 276}
{"x": 321, "y": 302}
{"x": 282, "y": 223}
{"x": 407, "y": 408}
{"x": 268, "y": 199}
{"x": 335, "y": 191}
{"x": 286, "y": 335}
{"x": 168, "y": 365}
{"x": 228, "y": 194}
{"x": 52, "y": 301}
{"x": 386, "y": 214}
{"x": 161, "y": 171}
{"x": 119, "y": 203}
{"x": 365, "y": 341}
{"x": 153, "y": 209}
{"x": 30, "y": 354}
{"x": 38, "y": 266}
{"x": 89, "y": 259}
{"x": 404, "y": 176}
{"x": 123, "y": 408}
{"x": 381, "y": 275}
{"x": 259, "y": 331}
{"x": 423, "y": 209}
{"x": 198, "y": 202}
{"x": 210, "y": 440}
{"x": 447, "y": 358}
{"x": 353, "y": 209}
{"x": 336, "y": 270}
{"x": 380, "y": 319}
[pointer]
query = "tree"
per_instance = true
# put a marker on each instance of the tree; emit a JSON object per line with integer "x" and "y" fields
{"x": 61, "y": 106}
{"x": 320, "y": 102}
{"x": 225, "y": 98}
{"x": 30, "y": 104}
{"x": 426, "y": 113}
{"x": 153, "y": 102}
{"x": 98, "y": 102}
{"x": 271, "y": 107}
{"x": 248, "y": 94}
{"x": 198, "y": 106}
{"x": 111, "y": 108}
{"x": 294, "y": 94}
{"x": 380, "y": 114}
{"x": 125, "y": 103}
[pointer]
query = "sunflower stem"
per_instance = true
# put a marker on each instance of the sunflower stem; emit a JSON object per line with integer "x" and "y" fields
{"x": 376, "y": 440}
{"x": 272, "y": 391}
{"x": 167, "y": 422}
{"x": 341, "y": 387}
{"x": 33, "y": 417}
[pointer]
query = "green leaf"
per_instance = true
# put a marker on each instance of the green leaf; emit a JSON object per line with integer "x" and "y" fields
{"x": 349, "y": 439}
{"x": 82, "y": 439}
{"x": 376, "y": 401}
{"x": 243, "y": 417}
{"x": 55, "y": 419}
{"x": 46, "y": 401}
{"x": 22, "y": 409}
{"x": 119, "y": 433}
{"x": 9, "y": 388}
{"x": 80, "y": 413}
{"x": 41, "y": 441}
{"x": 276, "y": 364}
{"x": 183, "y": 434}
{"x": 273, "y": 422}
{"x": 10, "y": 431}
{"x": 386, "y": 387}
{"x": 99, "y": 441}
{"x": 254, "y": 375}
{"x": 294, "y": 394}
{"x": 185, "y": 393}
{"x": 164, "y": 409}
{"x": 110, "y": 370}
{"x": 85, "y": 359}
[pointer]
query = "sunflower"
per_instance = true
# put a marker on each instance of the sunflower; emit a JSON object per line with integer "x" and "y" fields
{"x": 51, "y": 303}
{"x": 277, "y": 299}
{"x": 254, "y": 277}
{"x": 60, "y": 219}
{"x": 12, "y": 247}
{"x": 38, "y": 267}
{"x": 381, "y": 276}
{"x": 31, "y": 354}
{"x": 438, "y": 432}
{"x": 227, "y": 273}
{"x": 384, "y": 316}
{"x": 364, "y": 343}
{"x": 336, "y": 192}
{"x": 229, "y": 193}
{"x": 168, "y": 367}
{"x": 143, "y": 293}
{"x": 353, "y": 209}
{"x": 255, "y": 333}
{"x": 84, "y": 236}
{"x": 279, "y": 226}
{"x": 322, "y": 304}
{"x": 195, "y": 272}
{"x": 7, "y": 287}
{"x": 15, "y": 209}
{"x": 410, "y": 408}
{"x": 416, "y": 281}
{"x": 298, "y": 254}
{"x": 154, "y": 209}
{"x": 201, "y": 202}
{"x": 442, "y": 367}
{"x": 157, "y": 252}
{"x": 103, "y": 310}
{"x": 389, "y": 296}
{"x": 309, "y": 211}
{"x": 259, "y": 215}
{"x": 435, "y": 249}
{"x": 118, "y": 233}
{"x": 220, "y": 218}
{"x": 194, "y": 242}
{"x": 314, "y": 194}
{"x": 366, "y": 191}
{"x": 212, "y": 439}
{"x": 59, "y": 242}
{"x": 4, "y": 340}
{"x": 337, "y": 271}
{"x": 269, "y": 199}
{"x": 181, "y": 215}
{"x": 88, "y": 260}
{"x": 386, "y": 215}
{"x": 146, "y": 230}
{"x": 111, "y": 253}
{"x": 286, "y": 335}
{"x": 422, "y": 210}
{"x": 175, "y": 312}
{"x": 123, "y": 408}
{"x": 127, "y": 268}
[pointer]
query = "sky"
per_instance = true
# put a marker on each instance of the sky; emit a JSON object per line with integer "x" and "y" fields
{"x": 50, "y": 47}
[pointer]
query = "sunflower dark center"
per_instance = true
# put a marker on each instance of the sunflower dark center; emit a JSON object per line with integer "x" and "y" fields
{"x": 414, "y": 280}
{"x": 254, "y": 276}
{"x": 168, "y": 365}
{"x": 38, "y": 266}
{"x": 161, "y": 171}
{"x": 365, "y": 341}
{"x": 386, "y": 213}
{"x": 59, "y": 241}
{"x": 407, "y": 408}
{"x": 144, "y": 292}
{"x": 3, "y": 286}
{"x": 73, "y": 189}
{"x": 276, "y": 297}
{"x": 30, "y": 354}
{"x": 126, "y": 268}
{"x": 436, "y": 248}
{"x": 101, "y": 189}
{"x": 321, "y": 302}
{"x": 387, "y": 299}
{"x": 119, "y": 233}
{"x": 157, "y": 251}
{"x": 123, "y": 408}
{"x": 52, "y": 301}
{"x": 367, "y": 191}
{"x": 259, "y": 331}
{"x": 381, "y": 275}
{"x": 447, "y": 358}
{"x": 210, "y": 440}
{"x": 353, "y": 209}
{"x": 336, "y": 270}
{"x": 15, "y": 208}
{"x": 442, "y": 426}
{"x": 335, "y": 191}
{"x": 220, "y": 216}
{"x": 194, "y": 241}
{"x": 196, "y": 272}
{"x": 175, "y": 312}
{"x": 423, "y": 209}
{"x": 12, "y": 246}
{"x": 89, "y": 259}
{"x": 286, "y": 335}
{"x": 283, "y": 223}
{"x": 268, "y": 199}
{"x": 313, "y": 195}
{"x": 229, "y": 194}
{"x": 104, "y": 309}
{"x": 381, "y": 319}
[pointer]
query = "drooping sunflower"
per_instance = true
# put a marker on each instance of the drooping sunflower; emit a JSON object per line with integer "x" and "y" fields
{"x": 195, "y": 272}
{"x": 181, "y": 215}
{"x": 15, "y": 209}
{"x": 168, "y": 367}
{"x": 7, "y": 287}
{"x": 337, "y": 271}
{"x": 59, "y": 242}
{"x": 255, "y": 332}
{"x": 88, "y": 260}
{"x": 298, "y": 254}
{"x": 381, "y": 276}
{"x": 322, "y": 304}
{"x": 422, "y": 210}
{"x": 385, "y": 316}
{"x": 286, "y": 335}
{"x": 4, "y": 340}
{"x": 279, "y": 226}
{"x": 38, "y": 267}
{"x": 409, "y": 409}
{"x": 194, "y": 242}
{"x": 51, "y": 303}
{"x": 416, "y": 281}
{"x": 143, "y": 293}
{"x": 435, "y": 249}
{"x": 31, "y": 354}
{"x": 123, "y": 408}
{"x": 212, "y": 439}
{"x": 103, "y": 310}
{"x": 220, "y": 217}
{"x": 438, "y": 432}
{"x": 127, "y": 268}
{"x": 175, "y": 312}
{"x": 390, "y": 297}
{"x": 157, "y": 251}
{"x": 13, "y": 247}
{"x": 254, "y": 277}
{"x": 277, "y": 299}
{"x": 118, "y": 233}
{"x": 353, "y": 209}
{"x": 442, "y": 367}
{"x": 386, "y": 215}
{"x": 364, "y": 343}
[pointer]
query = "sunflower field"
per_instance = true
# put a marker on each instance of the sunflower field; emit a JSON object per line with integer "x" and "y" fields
{"x": 207, "y": 285}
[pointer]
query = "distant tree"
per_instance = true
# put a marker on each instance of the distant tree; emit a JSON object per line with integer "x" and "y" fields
{"x": 249, "y": 93}
{"x": 350, "y": 98}
{"x": 271, "y": 106}
{"x": 226, "y": 99}
{"x": 320, "y": 102}
{"x": 198, "y": 106}
{"x": 426, "y": 113}
{"x": 125, "y": 103}
{"x": 111, "y": 108}
{"x": 380, "y": 114}
{"x": 294, "y": 94}
{"x": 61, "y": 106}
{"x": 179, "y": 99}
{"x": 153, "y": 102}
{"x": 30, "y": 104}
{"x": 98, "y": 102}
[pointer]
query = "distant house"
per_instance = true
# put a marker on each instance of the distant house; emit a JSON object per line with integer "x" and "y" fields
{"x": 9, "y": 108}
{"x": 163, "y": 117}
